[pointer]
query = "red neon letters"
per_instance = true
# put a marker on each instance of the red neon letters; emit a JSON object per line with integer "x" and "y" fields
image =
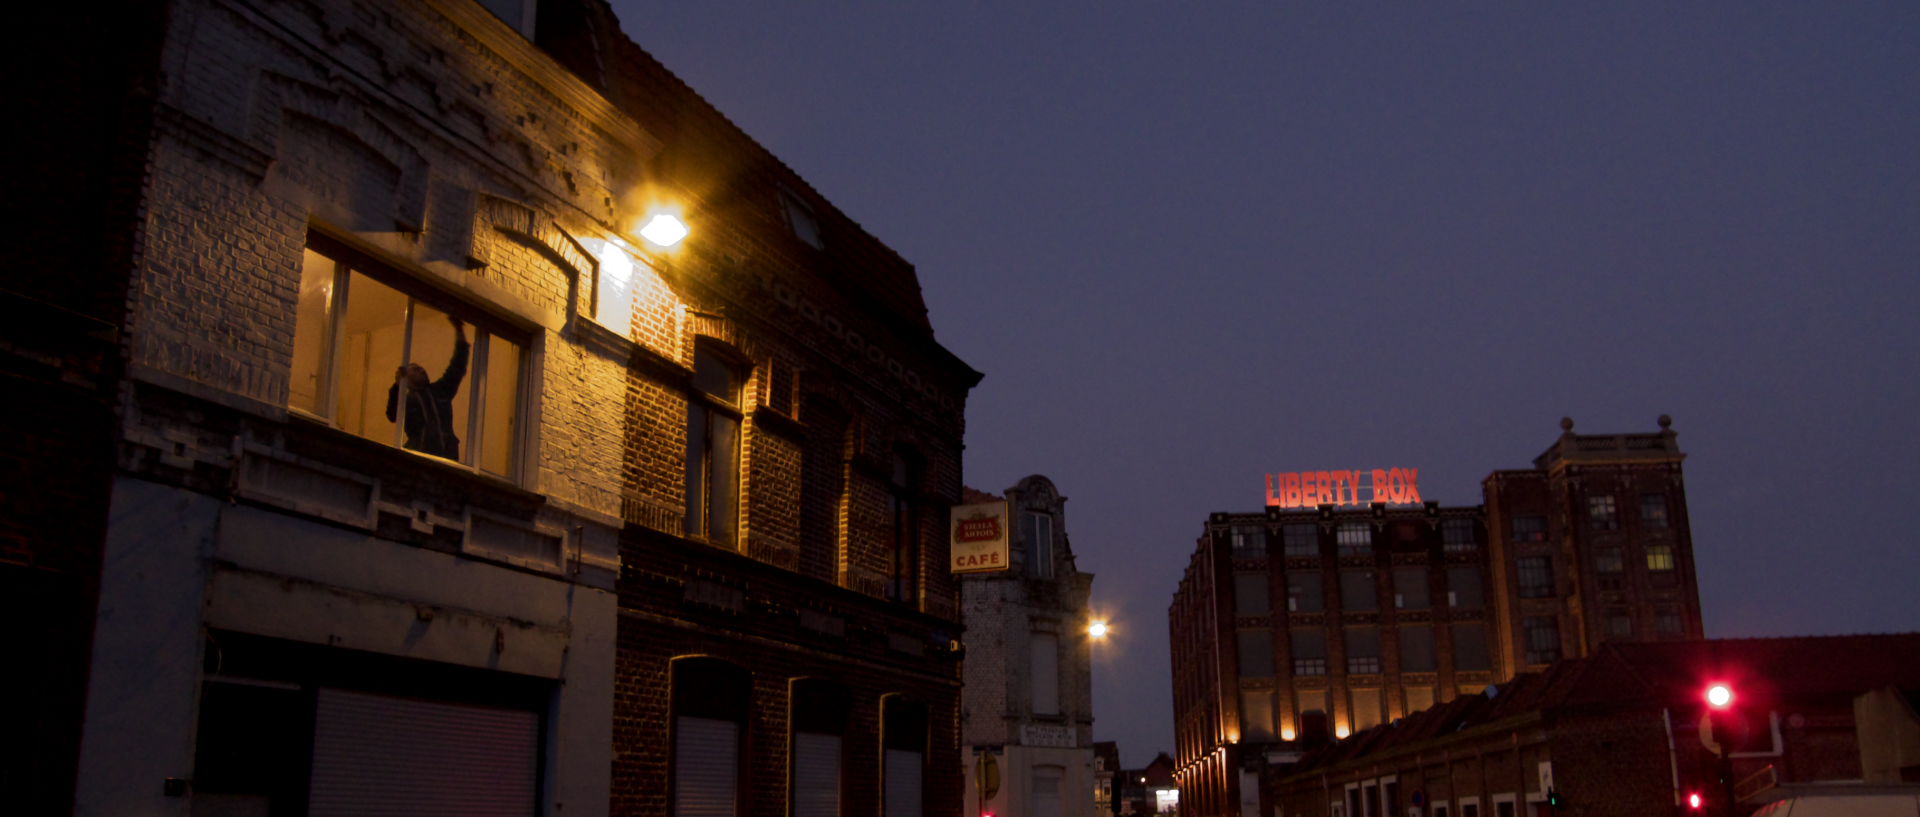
{"x": 1309, "y": 489}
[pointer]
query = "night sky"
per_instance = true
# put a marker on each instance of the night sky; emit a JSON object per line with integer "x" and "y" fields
{"x": 1190, "y": 244}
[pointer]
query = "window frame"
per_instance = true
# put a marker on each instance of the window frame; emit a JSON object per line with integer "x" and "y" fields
{"x": 1655, "y": 512}
{"x": 698, "y": 522}
{"x": 1300, "y": 539}
{"x": 1354, "y": 538}
{"x": 1603, "y": 512}
{"x": 1661, "y": 558}
{"x": 1533, "y": 576}
{"x": 1530, "y": 628}
{"x": 474, "y": 442}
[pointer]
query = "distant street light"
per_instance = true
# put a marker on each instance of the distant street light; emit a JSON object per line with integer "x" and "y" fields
{"x": 1097, "y": 630}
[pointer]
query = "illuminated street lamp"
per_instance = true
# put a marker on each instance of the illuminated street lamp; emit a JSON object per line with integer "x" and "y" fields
{"x": 1097, "y": 630}
{"x": 664, "y": 229}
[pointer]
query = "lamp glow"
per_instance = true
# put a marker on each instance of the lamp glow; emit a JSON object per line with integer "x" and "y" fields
{"x": 664, "y": 230}
{"x": 1098, "y": 629}
{"x": 1719, "y": 696}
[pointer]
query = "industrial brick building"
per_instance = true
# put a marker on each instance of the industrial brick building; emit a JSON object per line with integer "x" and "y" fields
{"x": 1326, "y": 615}
{"x": 1028, "y": 699}
{"x": 1618, "y": 733}
{"x": 631, "y": 528}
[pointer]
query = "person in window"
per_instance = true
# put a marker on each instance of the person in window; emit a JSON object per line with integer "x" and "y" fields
{"x": 429, "y": 423}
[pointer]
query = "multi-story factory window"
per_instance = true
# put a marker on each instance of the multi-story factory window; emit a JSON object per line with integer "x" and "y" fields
{"x": 1309, "y": 650}
{"x": 1653, "y": 511}
{"x": 1305, "y": 594}
{"x": 1250, "y": 594}
{"x": 1358, "y": 592}
{"x": 1534, "y": 575}
{"x": 1543, "y": 639}
{"x": 1416, "y": 649}
{"x": 1608, "y": 561}
{"x": 1038, "y": 529}
{"x": 1659, "y": 557}
{"x": 1666, "y": 620}
{"x": 1249, "y": 542}
{"x": 1256, "y": 653}
{"x": 1463, "y": 588}
{"x": 448, "y": 396}
{"x": 1312, "y": 704}
{"x": 1456, "y": 536}
{"x": 1601, "y": 513}
{"x": 1363, "y": 650}
{"x": 1410, "y": 588}
{"x": 1368, "y": 705}
{"x": 713, "y": 447}
{"x": 1619, "y": 624}
{"x": 1529, "y": 529}
{"x": 1470, "y": 647}
{"x": 1301, "y": 540}
{"x": 1419, "y": 698}
{"x": 1354, "y": 538}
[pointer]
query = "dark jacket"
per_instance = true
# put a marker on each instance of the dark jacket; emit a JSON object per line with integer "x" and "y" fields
{"x": 430, "y": 410}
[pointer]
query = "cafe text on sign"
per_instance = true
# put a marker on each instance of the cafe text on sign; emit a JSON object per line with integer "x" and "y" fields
{"x": 979, "y": 540}
{"x": 1311, "y": 489}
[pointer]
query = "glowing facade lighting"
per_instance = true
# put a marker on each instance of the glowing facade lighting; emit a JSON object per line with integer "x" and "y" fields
{"x": 1719, "y": 696}
{"x": 664, "y": 230}
{"x": 1098, "y": 629}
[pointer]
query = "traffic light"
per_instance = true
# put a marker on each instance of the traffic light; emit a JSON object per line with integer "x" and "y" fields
{"x": 1719, "y": 696}
{"x": 1695, "y": 802}
{"x": 1555, "y": 800}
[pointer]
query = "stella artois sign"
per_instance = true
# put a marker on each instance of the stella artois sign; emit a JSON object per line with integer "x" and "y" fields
{"x": 980, "y": 538}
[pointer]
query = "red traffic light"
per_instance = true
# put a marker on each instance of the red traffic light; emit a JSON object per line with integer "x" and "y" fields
{"x": 1695, "y": 802}
{"x": 1719, "y": 696}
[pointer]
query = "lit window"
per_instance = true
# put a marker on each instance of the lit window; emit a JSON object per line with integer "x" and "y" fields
{"x": 1535, "y": 574}
{"x": 1302, "y": 540}
{"x": 1653, "y": 511}
{"x": 1543, "y": 639}
{"x": 1457, "y": 536}
{"x": 1659, "y": 557}
{"x": 1529, "y": 529}
{"x": 1601, "y": 513}
{"x": 713, "y": 448}
{"x": 380, "y": 356}
{"x": 1355, "y": 538}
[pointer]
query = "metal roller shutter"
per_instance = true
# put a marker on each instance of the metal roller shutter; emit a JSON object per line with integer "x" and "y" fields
{"x": 816, "y": 775}
{"x": 706, "y": 767}
{"x": 903, "y": 783}
{"x": 1046, "y": 791}
{"x": 384, "y": 756}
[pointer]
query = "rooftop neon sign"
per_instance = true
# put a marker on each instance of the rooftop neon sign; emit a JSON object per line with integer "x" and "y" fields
{"x": 1353, "y": 488}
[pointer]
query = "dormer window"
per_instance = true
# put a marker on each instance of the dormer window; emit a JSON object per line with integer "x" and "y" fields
{"x": 800, "y": 217}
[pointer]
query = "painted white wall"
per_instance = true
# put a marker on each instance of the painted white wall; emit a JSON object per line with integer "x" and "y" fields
{"x": 142, "y": 694}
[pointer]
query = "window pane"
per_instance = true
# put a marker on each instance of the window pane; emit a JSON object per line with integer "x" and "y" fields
{"x": 1256, "y": 715}
{"x": 1529, "y": 529}
{"x": 1608, "y": 560}
{"x": 696, "y": 467}
{"x": 1304, "y": 593}
{"x": 1250, "y": 594}
{"x": 1416, "y": 649}
{"x": 501, "y": 432}
{"x": 1302, "y": 540}
{"x": 312, "y": 327}
{"x": 1363, "y": 650}
{"x": 1470, "y": 647}
{"x": 1653, "y": 511}
{"x": 724, "y": 477}
{"x": 1309, "y": 651}
{"x": 372, "y": 349}
{"x": 444, "y": 406}
{"x": 1543, "y": 639}
{"x": 1357, "y": 591}
{"x": 1256, "y": 653}
{"x": 1659, "y": 557}
{"x": 1355, "y": 538}
{"x": 1410, "y": 588}
{"x": 1536, "y": 577}
{"x": 1463, "y": 588}
{"x": 714, "y": 375}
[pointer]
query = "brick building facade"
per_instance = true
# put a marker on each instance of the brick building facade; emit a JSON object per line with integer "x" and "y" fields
{"x": 1028, "y": 699}
{"x": 1616, "y": 733}
{"x": 648, "y": 526}
{"x": 1293, "y": 627}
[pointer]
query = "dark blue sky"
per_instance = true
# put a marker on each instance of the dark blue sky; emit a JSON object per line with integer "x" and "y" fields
{"x": 1193, "y": 243}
